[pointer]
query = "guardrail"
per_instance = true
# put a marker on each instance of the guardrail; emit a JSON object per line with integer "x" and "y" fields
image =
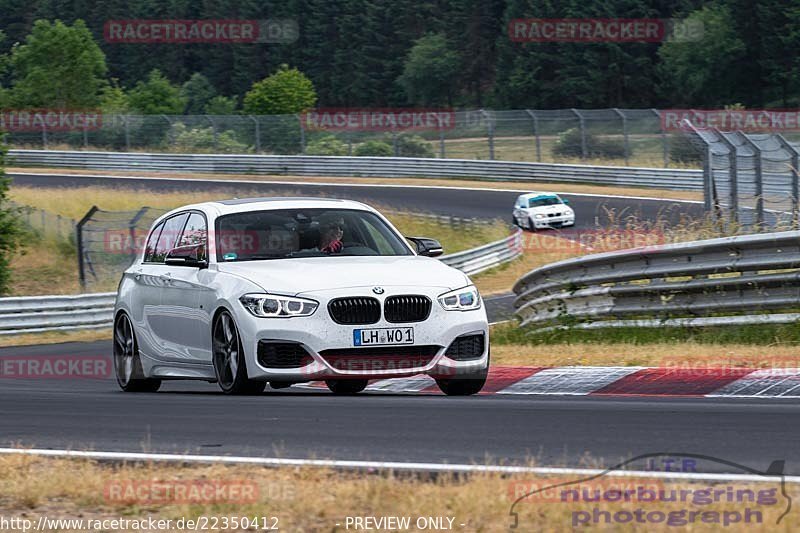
{"x": 34, "y": 314}
{"x": 387, "y": 167}
{"x": 726, "y": 281}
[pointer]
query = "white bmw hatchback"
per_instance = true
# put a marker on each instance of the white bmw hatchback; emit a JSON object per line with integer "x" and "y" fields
{"x": 290, "y": 290}
{"x": 540, "y": 210}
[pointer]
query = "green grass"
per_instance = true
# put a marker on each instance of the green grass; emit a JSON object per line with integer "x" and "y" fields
{"x": 756, "y": 334}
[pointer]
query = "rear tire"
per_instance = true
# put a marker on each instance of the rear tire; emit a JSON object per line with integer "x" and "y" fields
{"x": 127, "y": 364}
{"x": 346, "y": 386}
{"x": 228, "y": 358}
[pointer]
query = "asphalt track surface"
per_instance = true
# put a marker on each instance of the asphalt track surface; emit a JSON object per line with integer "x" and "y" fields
{"x": 552, "y": 430}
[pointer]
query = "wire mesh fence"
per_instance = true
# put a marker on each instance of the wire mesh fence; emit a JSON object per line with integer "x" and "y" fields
{"x": 750, "y": 179}
{"x": 45, "y": 223}
{"x": 616, "y": 136}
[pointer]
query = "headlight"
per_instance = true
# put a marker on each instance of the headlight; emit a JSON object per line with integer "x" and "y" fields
{"x": 538, "y": 216}
{"x": 465, "y": 299}
{"x": 267, "y": 306}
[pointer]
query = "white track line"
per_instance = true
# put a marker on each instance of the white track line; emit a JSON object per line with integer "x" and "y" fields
{"x": 384, "y": 465}
{"x": 334, "y": 184}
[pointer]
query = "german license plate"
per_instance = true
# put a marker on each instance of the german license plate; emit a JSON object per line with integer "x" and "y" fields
{"x": 383, "y": 336}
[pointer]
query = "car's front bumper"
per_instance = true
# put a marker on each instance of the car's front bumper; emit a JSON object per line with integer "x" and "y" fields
{"x": 318, "y": 333}
{"x": 554, "y": 222}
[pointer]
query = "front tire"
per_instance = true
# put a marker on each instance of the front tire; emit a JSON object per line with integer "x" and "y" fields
{"x": 127, "y": 364}
{"x": 228, "y": 358}
{"x": 464, "y": 386}
{"x": 346, "y": 386}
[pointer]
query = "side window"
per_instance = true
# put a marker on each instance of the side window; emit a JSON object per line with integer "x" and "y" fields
{"x": 150, "y": 249}
{"x": 169, "y": 236}
{"x": 195, "y": 232}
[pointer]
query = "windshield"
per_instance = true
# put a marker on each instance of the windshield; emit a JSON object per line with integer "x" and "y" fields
{"x": 292, "y": 233}
{"x": 543, "y": 201}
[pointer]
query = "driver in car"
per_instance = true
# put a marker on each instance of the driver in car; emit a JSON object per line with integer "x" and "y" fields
{"x": 330, "y": 238}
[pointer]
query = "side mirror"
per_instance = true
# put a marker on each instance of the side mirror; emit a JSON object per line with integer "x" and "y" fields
{"x": 566, "y": 202}
{"x": 427, "y": 247}
{"x": 193, "y": 255}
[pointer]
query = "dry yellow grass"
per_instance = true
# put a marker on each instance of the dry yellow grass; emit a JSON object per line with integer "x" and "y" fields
{"x": 458, "y": 184}
{"x": 305, "y": 499}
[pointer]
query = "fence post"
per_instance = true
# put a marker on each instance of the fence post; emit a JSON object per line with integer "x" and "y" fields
{"x": 664, "y": 139}
{"x": 44, "y": 135}
{"x": 759, "y": 178}
{"x": 302, "y": 134}
{"x": 214, "y": 131}
{"x": 132, "y": 230}
{"x": 79, "y": 243}
{"x": 582, "y": 126}
{"x": 733, "y": 174}
{"x": 257, "y": 134}
{"x": 169, "y": 126}
{"x": 85, "y": 135}
{"x": 624, "y": 133}
{"x": 795, "y": 168}
{"x": 535, "y": 120}
{"x": 489, "y": 133}
{"x": 126, "y": 119}
{"x": 441, "y": 143}
{"x": 395, "y": 144}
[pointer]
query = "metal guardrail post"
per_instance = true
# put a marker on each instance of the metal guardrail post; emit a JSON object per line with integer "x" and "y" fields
{"x": 535, "y": 120}
{"x": 733, "y": 174}
{"x": 582, "y": 125}
{"x": 759, "y": 178}
{"x": 132, "y": 230}
{"x": 795, "y": 169}
{"x": 79, "y": 243}
{"x": 624, "y": 134}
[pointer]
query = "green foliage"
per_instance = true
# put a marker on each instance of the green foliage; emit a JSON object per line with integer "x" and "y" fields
{"x": 198, "y": 92}
{"x": 374, "y": 149}
{"x": 326, "y": 145}
{"x": 286, "y": 92}
{"x": 220, "y": 105}
{"x": 10, "y": 229}
{"x": 413, "y": 146}
{"x": 704, "y": 72}
{"x": 201, "y": 140}
{"x": 430, "y": 71}
{"x": 113, "y": 99}
{"x": 58, "y": 66}
{"x": 570, "y": 144}
{"x": 157, "y": 96}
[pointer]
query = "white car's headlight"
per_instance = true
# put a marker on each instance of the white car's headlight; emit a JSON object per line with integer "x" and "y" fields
{"x": 465, "y": 299}
{"x": 269, "y": 306}
{"x": 538, "y": 216}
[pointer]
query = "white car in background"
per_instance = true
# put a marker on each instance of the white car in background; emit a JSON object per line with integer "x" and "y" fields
{"x": 540, "y": 210}
{"x": 288, "y": 290}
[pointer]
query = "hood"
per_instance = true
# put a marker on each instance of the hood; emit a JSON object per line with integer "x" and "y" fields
{"x": 293, "y": 276}
{"x": 545, "y": 209}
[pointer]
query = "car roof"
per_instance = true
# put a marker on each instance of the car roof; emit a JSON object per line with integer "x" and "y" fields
{"x": 241, "y": 205}
{"x": 530, "y": 195}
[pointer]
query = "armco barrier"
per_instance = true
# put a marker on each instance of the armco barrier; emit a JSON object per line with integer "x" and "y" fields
{"x": 748, "y": 279}
{"x": 33, "y": 314}
{"x": 389, "y": 167}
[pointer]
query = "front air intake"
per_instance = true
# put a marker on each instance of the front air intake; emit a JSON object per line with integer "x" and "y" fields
{"x": 409, "y": 308}
{"x": 355, "y": 310}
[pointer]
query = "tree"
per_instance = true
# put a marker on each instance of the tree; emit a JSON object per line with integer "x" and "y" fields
{"x": 704, "y": 72}
{"x": 220, "y": 105}
{"x": 113, "y": 100}
{"x": 156, "y": 96}
{"x": 197, "y": 92}
{"x": 286, "y": 92}
{"x": 9, "y": 226}
{"x": 430, "y": 72}
{"x": 59, "y": 66}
